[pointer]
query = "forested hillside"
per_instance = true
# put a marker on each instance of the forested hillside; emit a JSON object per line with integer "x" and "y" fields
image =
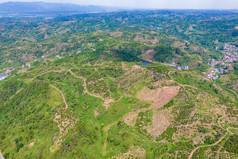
{"x": 81, "y": 106}
{"x": 30, "y": 38}
{"x": 138, "y": 84}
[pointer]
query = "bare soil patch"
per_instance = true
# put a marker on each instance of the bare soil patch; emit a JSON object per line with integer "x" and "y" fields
{"x": 96, "y": 113}
{"x": 148, "y": 55}
{"x": 118, "y": 34}
{"x": 159, "y": 96}
{"x": 160, "y": 123}
{"x": 31, "y": 144}
{"x": 138, "y": 38}
{"x": 43, "y": 29}
{"x": 130, "y": 118}
{"x": 46, "y": 36}
{"x": 134, "y": 152}
{"x": 64, "y": 31}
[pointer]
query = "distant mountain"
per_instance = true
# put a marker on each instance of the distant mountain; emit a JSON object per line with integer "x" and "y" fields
{"x": 48, "y": 9}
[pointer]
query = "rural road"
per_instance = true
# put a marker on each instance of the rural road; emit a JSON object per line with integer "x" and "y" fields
{"x": 66, "y": 105}
{"x": 1, "y": 157}
{"x": 191, "y": 154}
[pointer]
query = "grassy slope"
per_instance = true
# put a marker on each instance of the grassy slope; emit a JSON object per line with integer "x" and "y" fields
{"x": 200, "y": 113}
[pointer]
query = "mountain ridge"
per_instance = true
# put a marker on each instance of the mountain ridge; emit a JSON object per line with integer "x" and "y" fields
{"x": 41, "y": 8}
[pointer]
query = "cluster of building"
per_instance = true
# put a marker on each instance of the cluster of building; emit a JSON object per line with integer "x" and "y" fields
{"x": 58, "y": 56}
{"x": 230, "y": 53}
{"x": 29, "y": 64}
{"x": 213, "y": 74}
{"x": 230, "y": 48}
{"x": 220, "y": 67}
{"x": 8, "y": 71}
{"x": 179, "y": 67}
{"x": 216, "y": 69}
{"x": 3, "y": 76}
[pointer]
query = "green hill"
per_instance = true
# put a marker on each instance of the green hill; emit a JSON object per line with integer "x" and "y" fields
{"x": 77, "y": 107}
{"x": 102, "y": 86}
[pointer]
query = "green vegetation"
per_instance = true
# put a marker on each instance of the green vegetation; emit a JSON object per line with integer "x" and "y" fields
{"x": 90, "y": 103}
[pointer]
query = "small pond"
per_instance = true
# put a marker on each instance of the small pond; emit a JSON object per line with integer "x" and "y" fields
{"x": 145, "y": 63}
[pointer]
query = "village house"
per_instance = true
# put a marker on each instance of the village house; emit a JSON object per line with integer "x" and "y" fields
{"x": 179, "y": 68}
{"x": 3, "y": 76}
{"x": 173, "y": 64}
{"x": 8, "y": 71}
{"x": 216, "y": 70}
{"x": 185, "y": 67}
{"x": 209, "y": 74}
{"x": 221, "y": 71}
{"x": 215, "y": 77}
{"x": 58, "y": 56}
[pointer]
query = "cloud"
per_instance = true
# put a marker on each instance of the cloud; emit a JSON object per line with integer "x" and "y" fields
{"x": 154, "y": 4}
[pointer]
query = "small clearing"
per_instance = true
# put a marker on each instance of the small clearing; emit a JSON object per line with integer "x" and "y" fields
{"x": 117, "y": 34}
{"x": 138, "y": 38}
{"x": 96, "y": 113}
{"x": 159, "y": 96}
{"x": 160, "y": 123}
{"x": 31, "y": 144}
{"x": 64, "y": 31}
{"x": 236, "y": 27}
{"x": 148, "y": 55}
{"x": 134, "y": 152}
{"x": 191, "y": 154}
{"x": 130, "y": 118}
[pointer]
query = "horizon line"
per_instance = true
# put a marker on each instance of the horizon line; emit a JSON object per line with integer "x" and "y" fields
{"x": 121, "y": 7}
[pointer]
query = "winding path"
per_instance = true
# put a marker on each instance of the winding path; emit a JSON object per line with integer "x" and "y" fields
{"x": 105, "y": 141}
{"x": 106, "y": 101}
{"x": 47, "y": 71}
{"x": 191, "y": 154}
{"x": 66, "y": 105}
{"x": 174, "y": 80}
{"x": 85, "y": 85}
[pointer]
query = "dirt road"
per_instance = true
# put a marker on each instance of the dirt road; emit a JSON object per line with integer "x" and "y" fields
{"x": 66, "y": 105}
{"x": 191, "y": 154}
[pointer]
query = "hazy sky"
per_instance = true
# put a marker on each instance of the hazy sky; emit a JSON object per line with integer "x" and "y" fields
{"x": 160, "y": 4}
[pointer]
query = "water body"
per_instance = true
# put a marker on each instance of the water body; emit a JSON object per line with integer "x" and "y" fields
{"x": 145, "y": 63}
